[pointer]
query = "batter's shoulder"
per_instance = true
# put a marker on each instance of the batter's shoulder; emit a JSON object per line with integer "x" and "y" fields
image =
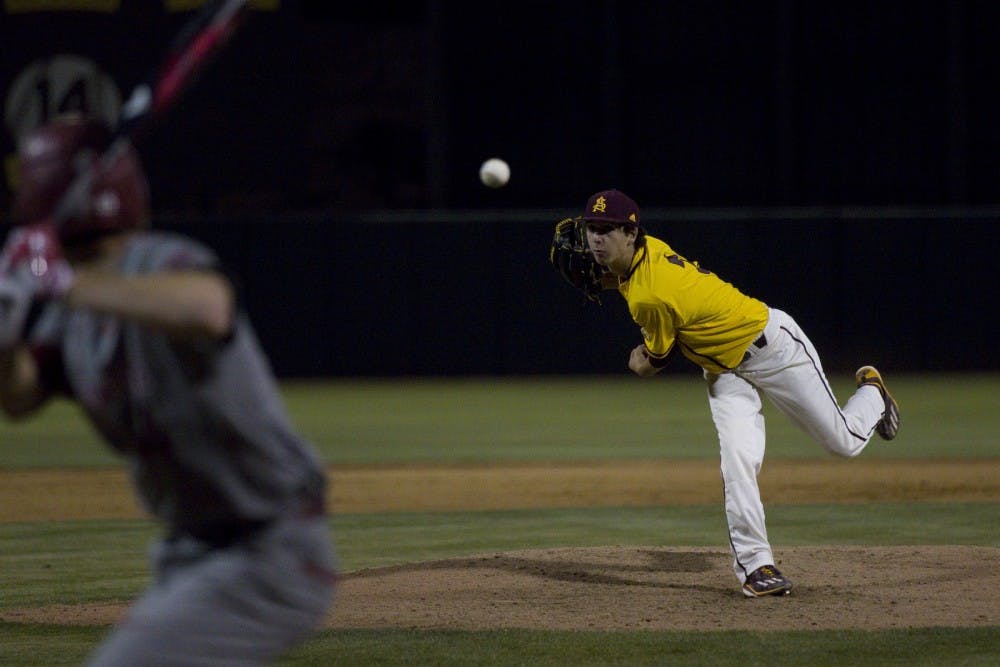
{"x": 160, "y": 250}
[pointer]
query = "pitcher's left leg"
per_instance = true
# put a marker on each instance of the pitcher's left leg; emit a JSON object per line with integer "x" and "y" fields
{"x": 735, "y": 407}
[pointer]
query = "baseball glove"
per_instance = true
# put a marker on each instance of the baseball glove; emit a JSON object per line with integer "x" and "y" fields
{"x": 571, "y": 257}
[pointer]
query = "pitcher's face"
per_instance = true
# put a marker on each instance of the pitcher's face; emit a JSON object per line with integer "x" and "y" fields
{"x": 612, "y": 245}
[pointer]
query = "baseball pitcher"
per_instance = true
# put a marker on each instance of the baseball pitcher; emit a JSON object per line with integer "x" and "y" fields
{"x": 745, "y": 349}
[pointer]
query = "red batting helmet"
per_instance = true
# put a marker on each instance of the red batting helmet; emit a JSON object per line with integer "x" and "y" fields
{"x": 49, "y": 158}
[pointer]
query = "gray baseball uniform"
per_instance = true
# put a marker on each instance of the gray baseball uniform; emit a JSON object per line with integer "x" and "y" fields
{"x": 246, "y": 568}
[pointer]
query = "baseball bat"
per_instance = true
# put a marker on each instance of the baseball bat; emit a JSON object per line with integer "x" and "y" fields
{"x": 198, "y": 41}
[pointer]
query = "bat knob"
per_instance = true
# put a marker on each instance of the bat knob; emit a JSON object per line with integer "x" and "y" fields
{"x": 138, "y": 103}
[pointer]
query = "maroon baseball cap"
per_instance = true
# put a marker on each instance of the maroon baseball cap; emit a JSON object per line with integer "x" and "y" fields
{"x": 611, "y": 206}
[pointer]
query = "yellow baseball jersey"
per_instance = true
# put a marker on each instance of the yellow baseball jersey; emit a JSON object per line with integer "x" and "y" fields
{"x": 674, "y": 300}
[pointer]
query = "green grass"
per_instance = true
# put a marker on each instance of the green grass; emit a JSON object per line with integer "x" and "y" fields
{"x": 527, "y": 419}
{"x": 537, "y": 419}
{"x": 71, "y": 562}
{"x": 540, "y": 419}
{"x": 939, "y": 646}
{"x": 32, "y": 645}
{"x": 359, "y": 648}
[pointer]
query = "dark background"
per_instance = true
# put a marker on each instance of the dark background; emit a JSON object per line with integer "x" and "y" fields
{"x": 836, "y": 160}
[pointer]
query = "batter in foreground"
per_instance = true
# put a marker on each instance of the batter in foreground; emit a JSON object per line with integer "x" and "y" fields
{"x": 744, "y": 348}
{"x": 145, "y": 331}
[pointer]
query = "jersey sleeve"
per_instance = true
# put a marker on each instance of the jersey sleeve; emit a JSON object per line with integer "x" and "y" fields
{"x": 170, "y": 252}
{"x": 181, "y": 254}
{"x": 658, "y": 332}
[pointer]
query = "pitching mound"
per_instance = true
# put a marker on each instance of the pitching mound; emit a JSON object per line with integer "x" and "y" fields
{"x": 651, "y": 588}
{"x": 655, "y": 588}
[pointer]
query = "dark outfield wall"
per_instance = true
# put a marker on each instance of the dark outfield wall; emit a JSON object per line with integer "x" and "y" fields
{"x": 359, "y": 297}
{"x": 391, "y": 105}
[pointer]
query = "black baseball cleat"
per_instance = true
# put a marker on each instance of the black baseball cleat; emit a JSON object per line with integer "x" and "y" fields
{"x": 766, "y": 580}
{"x": 888, "y": 426}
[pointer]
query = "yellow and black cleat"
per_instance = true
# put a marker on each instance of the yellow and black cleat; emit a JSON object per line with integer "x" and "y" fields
{"x": 888, "y": 426}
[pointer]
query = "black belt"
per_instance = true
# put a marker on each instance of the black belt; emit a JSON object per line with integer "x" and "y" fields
{"x": 221, "y": 534}
{"x": 760, "y": 344}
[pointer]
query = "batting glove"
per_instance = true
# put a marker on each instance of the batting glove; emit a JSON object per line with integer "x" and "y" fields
{"x": 34, "y": 255}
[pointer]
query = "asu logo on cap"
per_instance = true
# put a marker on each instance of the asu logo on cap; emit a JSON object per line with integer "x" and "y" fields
{"x": 612, "y": 206}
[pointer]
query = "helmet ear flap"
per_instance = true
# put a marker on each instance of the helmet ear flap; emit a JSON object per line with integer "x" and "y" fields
{"x": 571, "y": 257}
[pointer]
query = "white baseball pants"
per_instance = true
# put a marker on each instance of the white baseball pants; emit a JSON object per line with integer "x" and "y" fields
{"x": 788, "y": 372}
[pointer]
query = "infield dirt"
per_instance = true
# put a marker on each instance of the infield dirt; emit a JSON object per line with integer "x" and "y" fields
{"x": 106, "y": 494}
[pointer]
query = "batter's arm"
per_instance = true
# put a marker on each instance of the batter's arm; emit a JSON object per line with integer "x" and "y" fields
{"x": 188, "y": 304}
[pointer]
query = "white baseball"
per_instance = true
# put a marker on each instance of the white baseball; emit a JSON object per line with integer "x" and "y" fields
{"x": 494, "y": 173}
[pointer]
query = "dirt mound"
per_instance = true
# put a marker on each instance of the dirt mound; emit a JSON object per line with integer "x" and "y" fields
{"x": 651, "y": 588}
{"x": 679, "y": 588}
